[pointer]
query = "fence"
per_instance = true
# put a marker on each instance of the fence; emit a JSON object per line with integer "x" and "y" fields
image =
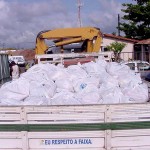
{"x": 145, "y": 56}
{"x": 4, "y": 67}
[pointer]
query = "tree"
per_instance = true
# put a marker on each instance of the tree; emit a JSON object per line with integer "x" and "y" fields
{"x": 136, "y": 20}
{"x": 114, "y": 33}
{"x": 140, "y": 2}
{"x": 117, "y": 48}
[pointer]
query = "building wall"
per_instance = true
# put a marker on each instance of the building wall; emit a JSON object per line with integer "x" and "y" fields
{"x": 127, "y": 52}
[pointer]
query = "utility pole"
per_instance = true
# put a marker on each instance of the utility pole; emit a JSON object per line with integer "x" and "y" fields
{"x": 118, "y": 25}
{"x": 3, "y": 46}
{"x": 79, "y": 12}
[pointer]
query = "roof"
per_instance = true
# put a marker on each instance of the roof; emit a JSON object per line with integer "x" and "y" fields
{"x": 147, "y": 41}
{"x": 120, "y": 38}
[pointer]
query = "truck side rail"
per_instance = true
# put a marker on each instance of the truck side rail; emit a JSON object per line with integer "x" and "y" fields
{"x": 59, "y": 58}
{"x": 90, "y": 127}
{"x": 84, "y": 114}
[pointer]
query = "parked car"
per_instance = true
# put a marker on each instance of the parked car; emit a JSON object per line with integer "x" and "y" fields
{"x": 18, "y": 60}
{"x": 142, "y": 67}
{"x": 147, "y": 77}
{"x": 138, "y": 65}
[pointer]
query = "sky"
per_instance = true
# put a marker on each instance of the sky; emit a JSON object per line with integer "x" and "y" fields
{"x": 22, "y": 20}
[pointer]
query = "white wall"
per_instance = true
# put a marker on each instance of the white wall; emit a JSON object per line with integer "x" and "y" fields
{"x": 127, "y": 52}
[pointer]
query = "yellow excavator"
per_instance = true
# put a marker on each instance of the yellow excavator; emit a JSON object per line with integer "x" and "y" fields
{"x": 64, "y": 36}
{"x": 90, "y": 37}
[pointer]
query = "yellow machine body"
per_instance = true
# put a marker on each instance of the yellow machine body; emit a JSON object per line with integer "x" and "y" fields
{"x": 65, "y": 36}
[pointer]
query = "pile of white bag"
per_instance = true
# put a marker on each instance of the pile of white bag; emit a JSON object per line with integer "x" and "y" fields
{"x": 97, "y": 82}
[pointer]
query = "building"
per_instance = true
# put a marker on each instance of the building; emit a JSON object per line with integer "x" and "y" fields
{"x": 142, "y": 50}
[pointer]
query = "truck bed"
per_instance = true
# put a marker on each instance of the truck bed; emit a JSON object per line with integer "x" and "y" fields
{"x": 86, "y": 127}
{"x": 90, "y": 127}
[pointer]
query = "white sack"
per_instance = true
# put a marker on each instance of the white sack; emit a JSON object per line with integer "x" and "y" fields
{"x": 101, "y": 62}
{"x": 76, "y": 72}
{"x": 64, "y": 84}
{"x": 136, "y": 94}
{"x": 20, "y": 85}
{"x": 32, "y": 100}
{"x": 91, "y": 97}
{"x": 92, "y": 83}
{"x": 44, "y": 72}
{"x": 42, "y": 89}
{"x": 10, "y": 102}
{"x": 101, "y": 77}
{"x": 93, "y": 68}
{"x": 59, "y": 74}
{"x": 86, "y": 85}
{"x": 108, "y": 84}
{"x": 129, "y": 78}
{"x": 43, "y": 67}
{"x": 46, "y": 69}
{"x": 17, "y": 90}
{"x": 39, "y": 76}
{"x": 113, "y": 96}
{"x": 116, "y": 69}
{"x": 64, "y": 98}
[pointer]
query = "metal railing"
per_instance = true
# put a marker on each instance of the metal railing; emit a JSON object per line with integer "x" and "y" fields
{"x": 59, "y": 58}
{"x": 126, "y": 56}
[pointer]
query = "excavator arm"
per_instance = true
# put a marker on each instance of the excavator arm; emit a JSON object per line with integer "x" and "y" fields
{"x": 66, "y": 36}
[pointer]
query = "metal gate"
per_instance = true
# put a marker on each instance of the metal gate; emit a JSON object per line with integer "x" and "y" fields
{"x": 4, "y": 67}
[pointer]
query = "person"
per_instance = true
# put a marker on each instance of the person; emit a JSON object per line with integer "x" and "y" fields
{"x": 10, "y": 69}
{"x": 14, "y": 71}
{"x": 33, "y": 62}
{"x": 27, "y": 66}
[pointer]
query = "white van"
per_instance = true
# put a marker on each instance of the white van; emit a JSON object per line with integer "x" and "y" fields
{"x": 18, "y": 60}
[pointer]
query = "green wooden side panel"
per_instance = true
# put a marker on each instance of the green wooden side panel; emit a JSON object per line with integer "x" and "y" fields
{"x": 75, "y": 127}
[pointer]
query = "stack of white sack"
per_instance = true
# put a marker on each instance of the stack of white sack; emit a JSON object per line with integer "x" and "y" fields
{"x": 97, "y": 82}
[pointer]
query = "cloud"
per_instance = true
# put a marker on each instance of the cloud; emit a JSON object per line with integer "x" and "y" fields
{"x": 22, "y": 20}
{"x": 106, "y": 16}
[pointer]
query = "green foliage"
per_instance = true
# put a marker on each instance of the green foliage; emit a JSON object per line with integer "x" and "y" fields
{"x": 136, "y": 20}
{"x": 114, "y": 33}
{"x": 117, "y": 48}
{"x": 141, "y": 2}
